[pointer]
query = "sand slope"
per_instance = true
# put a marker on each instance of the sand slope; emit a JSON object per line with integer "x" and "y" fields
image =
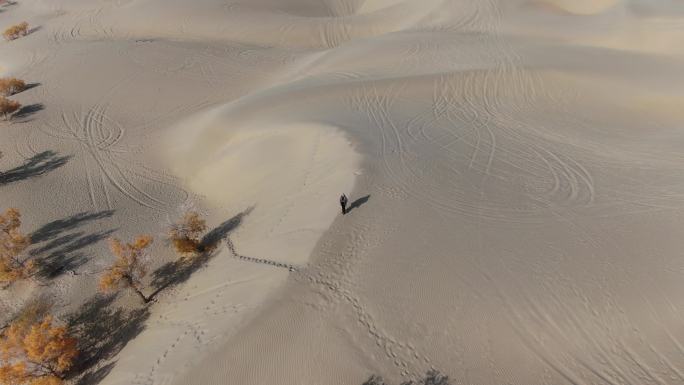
{"x": 514, "y": 168}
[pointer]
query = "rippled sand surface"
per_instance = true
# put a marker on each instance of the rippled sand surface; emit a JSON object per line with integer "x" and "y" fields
{"x": 515, "y": 170}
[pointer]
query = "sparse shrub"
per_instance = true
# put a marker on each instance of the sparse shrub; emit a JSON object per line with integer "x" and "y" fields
{"x": 12, "y": 246}
{"x": 432, "y": 377}
{"x": 34, "y": 351}
{"x": 129, "y": 268}
{"x": 8, "y": 107}
{"x": 16, "y": 31}
{"x": 186, "y": 234}
{"x": 11, "y": 86}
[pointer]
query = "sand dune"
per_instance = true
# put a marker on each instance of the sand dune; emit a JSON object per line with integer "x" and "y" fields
{"x": 514, "y": 171}
{"x": 582, "y": 7}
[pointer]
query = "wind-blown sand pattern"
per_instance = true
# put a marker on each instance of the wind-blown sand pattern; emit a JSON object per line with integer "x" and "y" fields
{"x": 514, "y": 168}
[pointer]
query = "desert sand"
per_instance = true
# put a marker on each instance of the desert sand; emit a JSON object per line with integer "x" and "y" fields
{"x": 514, "y": 167}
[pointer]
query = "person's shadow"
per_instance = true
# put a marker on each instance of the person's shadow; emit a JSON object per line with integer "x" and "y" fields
{"x": 358, "y": 203}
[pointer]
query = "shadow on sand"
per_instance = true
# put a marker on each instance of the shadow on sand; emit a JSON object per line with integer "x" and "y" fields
{"x": 27, "y": 111}
{"x": 55, "y": 228}
{"x": 176, "y": 272}
{"x": 38, "y": 164}
{"x": 102, "y": 332}
{"x": 62, "y": 252}
{"x": 358, "y": 203}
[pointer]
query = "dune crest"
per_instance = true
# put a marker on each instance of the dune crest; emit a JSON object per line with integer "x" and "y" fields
{"x": 582, "y": 7}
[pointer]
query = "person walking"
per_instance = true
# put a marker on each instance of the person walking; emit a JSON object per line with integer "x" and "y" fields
{"x": 343, "y": 203}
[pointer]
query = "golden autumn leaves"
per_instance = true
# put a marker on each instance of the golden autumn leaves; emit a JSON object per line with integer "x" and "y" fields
{"x": 33, "y": 350}
{"x": 130, "y": 265}
{"x": 12, "y": 86}
{"x": 9, "y": 87}
{"x": 185, "y": 234}
{"x": 16, "y": 31}
{"x": 129, "y": 268}
{"x": 12, "y": 245}
{"x": 36, "y": 352}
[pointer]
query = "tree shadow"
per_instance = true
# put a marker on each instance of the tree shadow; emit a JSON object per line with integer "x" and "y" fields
{"x": 27, "y": 111}
{"x": 220, "y": 232}
{"x": 358, "y": 203}
{"x": 102, "y": 332}
{"x": 38, "y": 164}
{"x": 54, "y": 228}
{"x": 176, "y": 272}
{"x": 61, "y": 252}
{"x": 34, "y": 30}
{"x": 31, "y": 85}
{"x": 64, "y": 253}
{"x": 96, "y": 376}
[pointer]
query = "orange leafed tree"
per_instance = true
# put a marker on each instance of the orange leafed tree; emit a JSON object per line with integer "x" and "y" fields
{"x": 129, "y": 268}
{"x": 16, "y": 31}
{"x": 8, "y": 107}
{"x": 12, "y": 246}
{"x": 187, "y": 232}
{"x": 36, "y": 352}
{"x": 11, "y": 86}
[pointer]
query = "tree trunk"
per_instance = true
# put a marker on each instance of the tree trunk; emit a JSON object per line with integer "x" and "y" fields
{"x": 141, "y": 295}
{"x": 136, "y": 289}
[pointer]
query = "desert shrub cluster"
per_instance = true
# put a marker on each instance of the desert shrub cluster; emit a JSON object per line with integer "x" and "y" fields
{"x": 36, "y": 351}
{"x": 185, "y": 235}
{"x": 13, "y": 244}
{"x": 11, "y": 86}
{"x": 16, "y": 31}
{"x": 131, "y": 260}
{"x": 8, "y": 107}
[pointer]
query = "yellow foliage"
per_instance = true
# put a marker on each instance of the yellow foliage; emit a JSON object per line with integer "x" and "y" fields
{"x": 12, "y": 244}
{"x": 11, "y": 86}
{"x": 16, "y": 31}
{"x": 8, "y": 107}
{"x": 129, "y": 268}
{"x": 186, "y": 234}
{"x": 36, "y": 352}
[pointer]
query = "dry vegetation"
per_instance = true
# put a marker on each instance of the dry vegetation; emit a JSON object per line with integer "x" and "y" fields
{"x": 129, "y": 268}
{"x": 34, "y": 348}
{"x": 12, "y": 246}
{"x": 16, "y": 31}
{"x": 11, "y": 86}
{"x": 8, "y": 107}
{"x": 432, "y": 377}
{"x": 35, "y": 351}
{"x": 186, "y": 234}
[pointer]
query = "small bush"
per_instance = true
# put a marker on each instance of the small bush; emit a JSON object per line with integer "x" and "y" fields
{"x": 186, "y": 234}
{"x": 35, "y": 351}
{"x": 8, "y": 107}
{"x": 16, "y": 31}
{"x": 129, "y": 268}
{"x": 12, "y": 246}
{"x": 432, "y": 377}
{"x": 11, "y": 86}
